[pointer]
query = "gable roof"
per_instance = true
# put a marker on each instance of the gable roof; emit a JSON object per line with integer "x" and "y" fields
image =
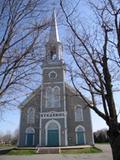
{"x": 28, "y": 98}
{"x": 69, "y": 87}
{"x": 74, "y": 91}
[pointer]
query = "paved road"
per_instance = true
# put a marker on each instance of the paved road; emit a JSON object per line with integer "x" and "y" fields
{"x": 105, "y": 155}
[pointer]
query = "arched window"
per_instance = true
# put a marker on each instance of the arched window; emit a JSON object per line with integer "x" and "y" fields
{"x": 53, "y": 133}
{"x": 56, "y": 91}
{"x": 52, "y": 126}
{"x": 30, "y": 136}
{"x": 49, "y": 97}
{"x": 53, "y": 97}
{"x": 78, "y": 113}
{"x": 80, "y": 135}
{"x": 30, "y": 130}
{"x": 31, "y": 116}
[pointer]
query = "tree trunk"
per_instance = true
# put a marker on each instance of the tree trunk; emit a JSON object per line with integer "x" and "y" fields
{"x": 114, "y": 139}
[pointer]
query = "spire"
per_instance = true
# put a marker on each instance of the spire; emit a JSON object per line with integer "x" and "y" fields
{"x": 54, "y": 48}
{"x": 53, "y": 35}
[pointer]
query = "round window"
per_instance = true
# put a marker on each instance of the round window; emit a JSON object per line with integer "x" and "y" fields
{"x": 52, "y": 75}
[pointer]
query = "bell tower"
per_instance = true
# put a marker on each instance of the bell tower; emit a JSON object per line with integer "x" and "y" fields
{"x": 54, "y": 53}
{"x": 53, "y": 103}
{"x": 54, "y": 48}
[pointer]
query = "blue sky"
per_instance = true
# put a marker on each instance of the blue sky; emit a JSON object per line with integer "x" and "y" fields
{"x": 11, "y": 118}
{"x": 10, "y": 121}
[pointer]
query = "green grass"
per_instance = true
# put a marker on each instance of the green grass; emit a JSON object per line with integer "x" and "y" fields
{"x": 81, "y": 150}
{"x": 22, "y": 152}
{"x": 63, "y": 151}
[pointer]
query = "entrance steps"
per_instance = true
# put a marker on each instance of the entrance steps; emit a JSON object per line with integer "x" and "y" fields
{"x": 48, "y": 150}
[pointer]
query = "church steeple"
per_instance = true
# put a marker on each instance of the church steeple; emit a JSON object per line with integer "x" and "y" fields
{"x": 54, "y": 48}
{"x": 53, "y": 35}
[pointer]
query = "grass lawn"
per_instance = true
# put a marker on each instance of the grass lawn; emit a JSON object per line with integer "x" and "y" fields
{"x": 63, "y": 151}
{"x": 22, "y": 152}
{"x": 82, "y": 150}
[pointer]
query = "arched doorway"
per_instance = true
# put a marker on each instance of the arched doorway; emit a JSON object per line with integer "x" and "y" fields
{"x": 52, "y": 133}
{"x": 80, "y": 135}
{"x": 30, "y": 136}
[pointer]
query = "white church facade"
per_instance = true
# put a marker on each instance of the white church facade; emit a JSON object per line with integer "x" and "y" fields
{"x": 54, "y": 115}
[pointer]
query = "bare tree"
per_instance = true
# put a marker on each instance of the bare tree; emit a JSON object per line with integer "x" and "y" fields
{"x": 6, "y": 138}
{"x": 22, "y": 23}
{"x": 9, "y": 138}
{"x": 95, "y": 55}
{"x": 14, "y": 138}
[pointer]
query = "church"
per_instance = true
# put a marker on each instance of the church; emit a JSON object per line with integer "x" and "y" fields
{"x": 54, "y": 114}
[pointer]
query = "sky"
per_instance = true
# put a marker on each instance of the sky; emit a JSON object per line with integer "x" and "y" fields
{"x": 11, "y": 118}
{"x": 10, "y": 121}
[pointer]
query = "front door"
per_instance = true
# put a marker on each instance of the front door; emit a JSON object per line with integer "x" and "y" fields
{"x": 80, "y": 138}
{"x": 30, "y": 139}
{"x": 53, "y": 138}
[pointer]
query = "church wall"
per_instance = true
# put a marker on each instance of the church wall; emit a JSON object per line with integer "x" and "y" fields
{"x": 71, "y": 101}
{"x": 22, "y": 129}
{"x": 88, "y": 127}
{"x": 35, "y": 103}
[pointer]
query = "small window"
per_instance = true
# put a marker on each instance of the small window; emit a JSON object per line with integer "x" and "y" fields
{"x": 78, "y": 114}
